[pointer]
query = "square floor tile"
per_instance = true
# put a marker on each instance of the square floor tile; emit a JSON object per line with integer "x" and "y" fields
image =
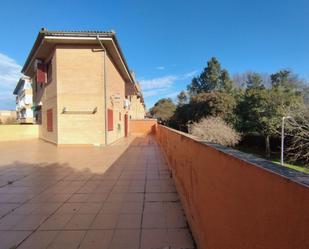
{"x": 129, "y": 221}
{"x": 90, "y": 208}
{"x": 125, "y": 239}
{"x": 39, "y": 239}
{"x": 154, "y": 220}
{"x": 132, "y": 207}
{"x": 154, "y": 207}
{"x": 56, "y": 222}
{"x": 31, "y": 222}
{"x": 9, "y": 239}
{"x": 67, "y": 240}
{"x": 176, "y": 220}
{"x": 105, "y": 221}
{"x": 97, "y": 239}
{"x": 69, "y": 208}
{"x": 111, "y": 208}
{"x": 97, "y": 198}
{"x": 154, "y": 238}
{"x": 10, "y": 220}
{"x": 180, "y": 238}
{"x": 80, "y": 222}
{"x": 79, "y": 198}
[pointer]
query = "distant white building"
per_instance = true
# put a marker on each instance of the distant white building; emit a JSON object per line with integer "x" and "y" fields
{"x": 23, "y": 92}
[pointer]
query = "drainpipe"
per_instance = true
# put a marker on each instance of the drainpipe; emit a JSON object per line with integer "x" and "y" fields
{"x": 105, "y": 87}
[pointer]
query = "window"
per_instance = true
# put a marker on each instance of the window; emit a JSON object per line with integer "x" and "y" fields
{"x": 49, "y": 71}
{"x": 110, "y": 120}
{"x": 119, "y": 116}
{"x": 49, "y": 122}
{"x": 28, "y": 99}
{"x": 41, "y": 73}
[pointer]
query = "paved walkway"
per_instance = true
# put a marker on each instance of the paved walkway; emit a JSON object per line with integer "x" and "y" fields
{"x": 116, "y": 197}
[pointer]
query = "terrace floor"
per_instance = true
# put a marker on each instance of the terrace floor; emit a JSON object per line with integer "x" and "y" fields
{"x": 120, "y": 196}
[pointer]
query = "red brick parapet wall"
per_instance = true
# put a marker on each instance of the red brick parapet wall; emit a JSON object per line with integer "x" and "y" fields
{"x": 231, "y": 203}
{"x": 142, "y": 126}
{"x": 233, "y": 200}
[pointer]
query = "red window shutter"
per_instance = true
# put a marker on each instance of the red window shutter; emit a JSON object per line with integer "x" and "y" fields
{"x": 49, "y": 120}
{"x": 41, "y": 73}
{"x": 110, "y": 120}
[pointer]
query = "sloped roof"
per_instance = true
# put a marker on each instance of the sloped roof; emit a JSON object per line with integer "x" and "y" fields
{"x": 77, "y": 36}
{"x": 19, "y": 84}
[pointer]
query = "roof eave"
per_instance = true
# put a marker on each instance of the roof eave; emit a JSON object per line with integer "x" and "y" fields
{"x": 35, "y": 46}
{"x": 15, "y": 92}
{"x": 81, "y": 34}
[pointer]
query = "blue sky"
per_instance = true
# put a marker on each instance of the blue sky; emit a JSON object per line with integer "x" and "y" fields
{"x": 166, "y": 42}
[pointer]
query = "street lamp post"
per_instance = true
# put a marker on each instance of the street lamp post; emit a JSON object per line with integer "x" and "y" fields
{"x": 282, "y": 139}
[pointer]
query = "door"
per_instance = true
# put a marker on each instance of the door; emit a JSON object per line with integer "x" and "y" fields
{"x": 126, "y": 125}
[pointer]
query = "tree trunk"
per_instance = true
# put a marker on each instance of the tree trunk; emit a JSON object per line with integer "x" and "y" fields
{"x": 267, "y": 147}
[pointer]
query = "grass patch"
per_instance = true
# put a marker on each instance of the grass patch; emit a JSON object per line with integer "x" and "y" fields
{"x": 274, "y": 158}
{"x": 295, "y": 167}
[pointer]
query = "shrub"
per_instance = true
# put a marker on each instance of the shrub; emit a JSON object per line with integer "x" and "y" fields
{"x": 215, "y": 130}
{"x": 10, "y": 121}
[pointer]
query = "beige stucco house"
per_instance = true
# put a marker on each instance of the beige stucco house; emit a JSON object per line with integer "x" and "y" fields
{"x": 82, "y": 87}
{"x": 136, "y": 100}
{"x": 24, "y": 98}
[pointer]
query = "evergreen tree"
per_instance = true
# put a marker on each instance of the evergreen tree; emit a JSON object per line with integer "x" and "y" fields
{"x": 163, "y": 110}
{"x": 261, "y": 109}
{"x": 254, "y": 81}
{"x": 182, "y": 98}
{"x": 226, "y": 83}
{"x": 210, "y": 79}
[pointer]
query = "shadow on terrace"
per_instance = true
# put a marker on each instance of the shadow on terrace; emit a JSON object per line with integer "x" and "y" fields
{"x": 120, "y": 196}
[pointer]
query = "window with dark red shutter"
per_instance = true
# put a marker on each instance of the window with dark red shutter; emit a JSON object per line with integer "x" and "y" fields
{"x": 41, "y": 73}
{"x": 49, "y": 121}
{"x": 110, "y": 120}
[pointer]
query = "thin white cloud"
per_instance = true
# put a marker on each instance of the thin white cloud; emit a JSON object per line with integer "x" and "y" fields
{"x": 156, "y": 83}
{"x": 172, "y": 95}
{"x": 9, "y": 75}
{"x": 188, "y": 75}
{"x": 151, "y": 93}
{"x": 163, "y": 86}
{"x": 160, "y": 67}
{"x": 163, "y": 93}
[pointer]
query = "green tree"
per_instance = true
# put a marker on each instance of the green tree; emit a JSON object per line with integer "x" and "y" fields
{"x": 252, "y": 106}
{"x": 163, "y": 110}
{"x": 254, "y": 81}
{"x": 212, "y": 93}
{"x": 208, "y": 80}
{"x": 261, "y": 109}
{"x": 306, "y": 95}
{"x": 257, "y": 112}
{"x": 204, "y": 104}
{"x": 226, "y": 83}
{"x": 285, "y": 79}
{"x": 286, "y": 91}
{"x": 213, "y": 78}
{"x": 182, "y": 98}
